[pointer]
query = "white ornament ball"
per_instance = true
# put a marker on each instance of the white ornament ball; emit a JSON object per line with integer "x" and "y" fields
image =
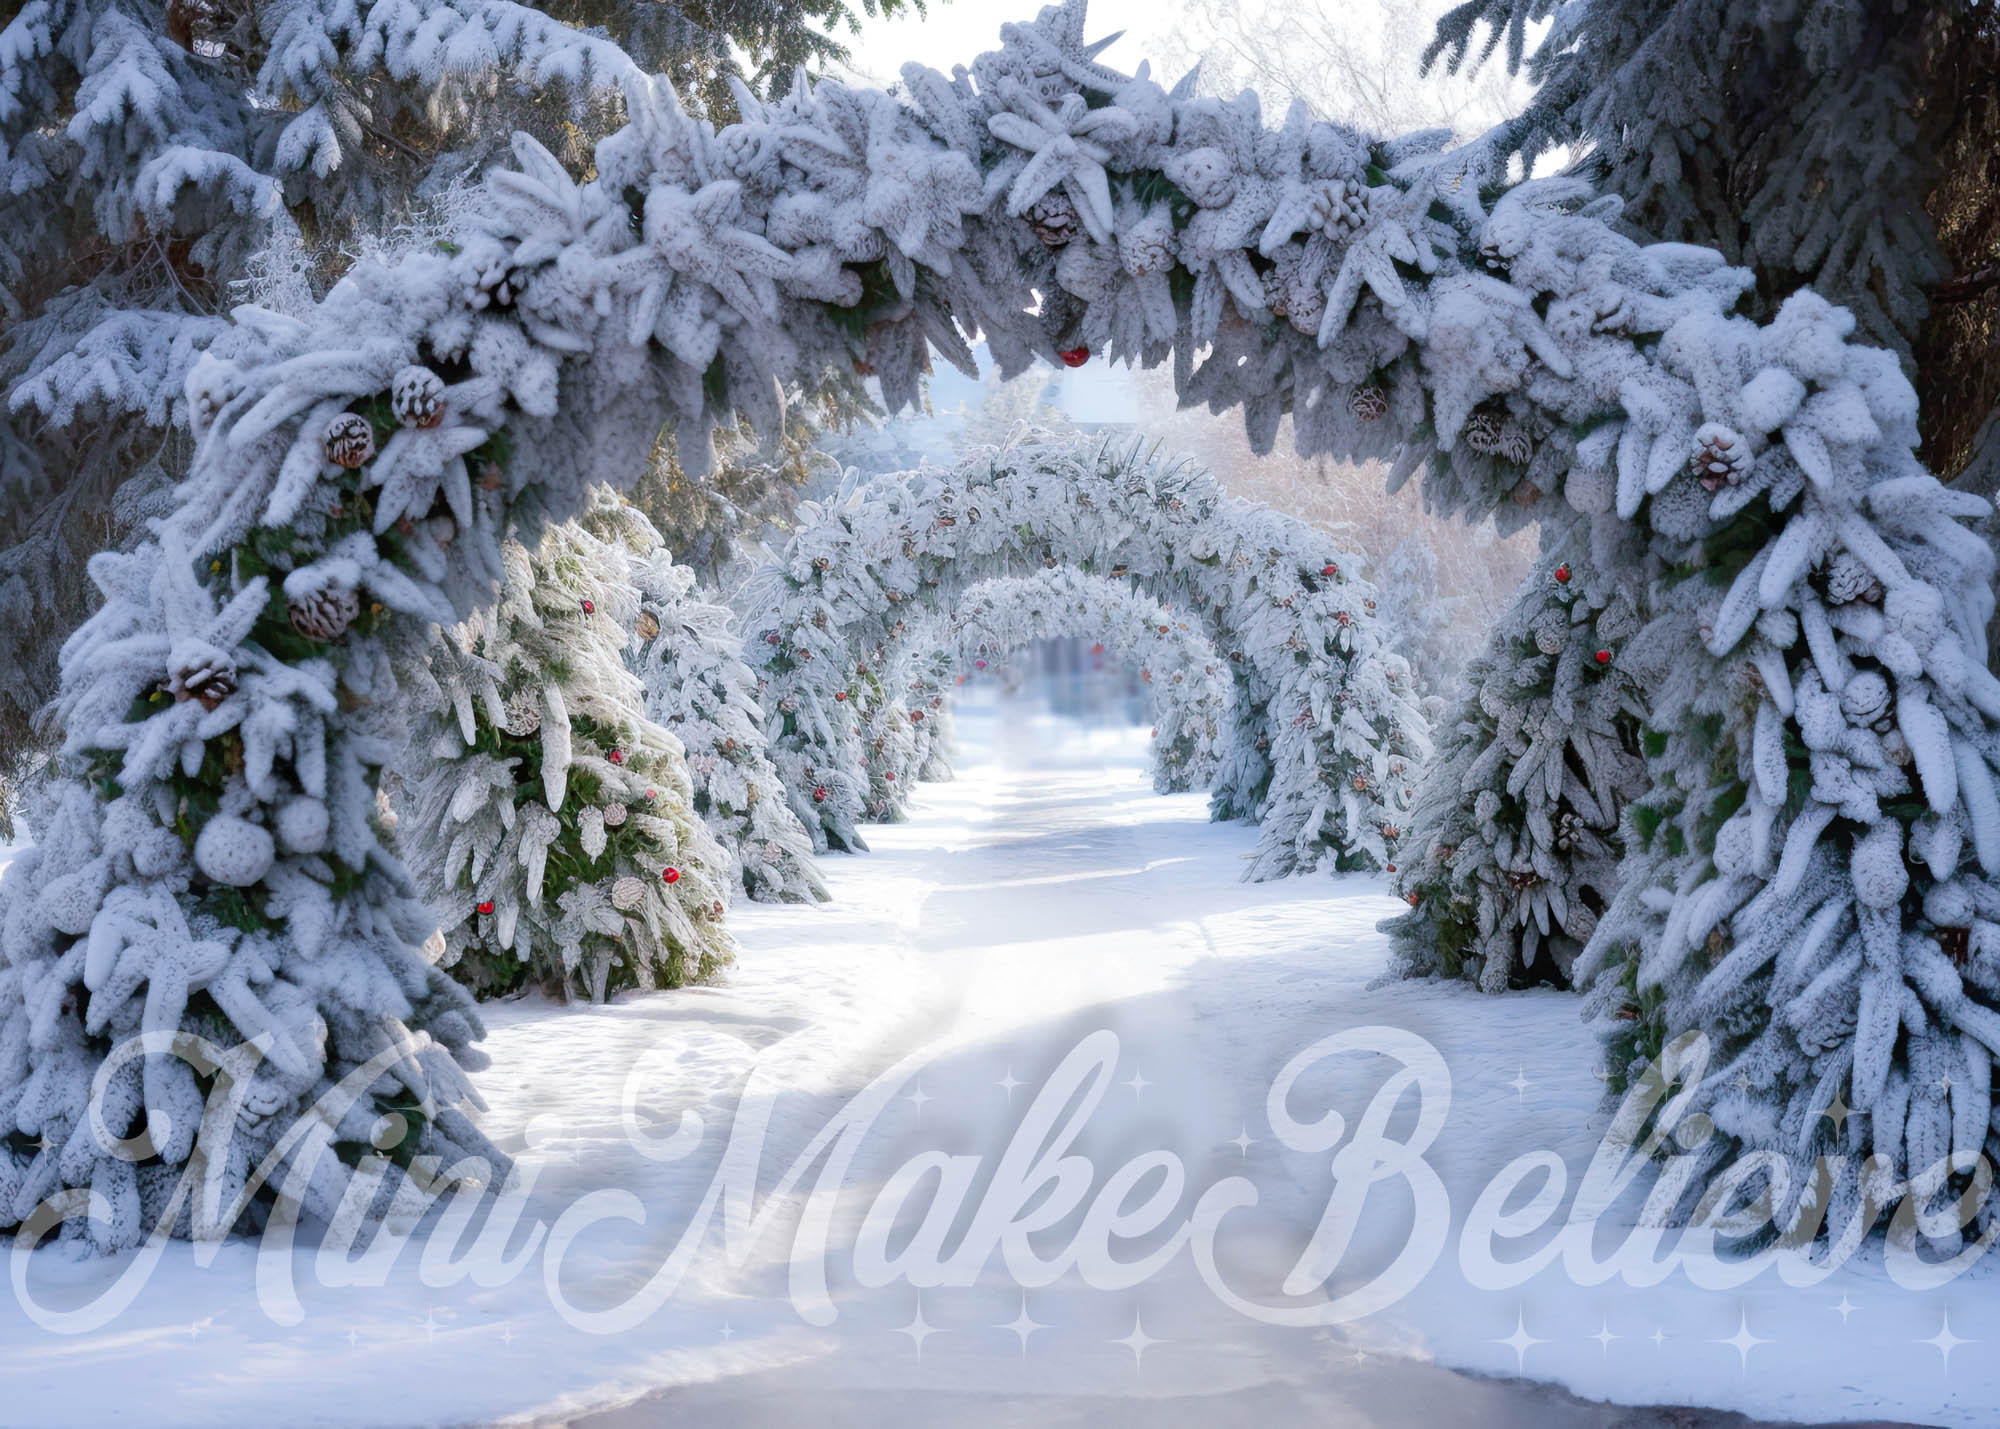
{"x": 233, "y": 851}
{"x": 302, "y": 825}
{"x": 70, "y": 902}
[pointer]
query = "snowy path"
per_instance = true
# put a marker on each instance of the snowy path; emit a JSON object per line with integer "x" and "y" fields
{"x": 1045, "y": 898}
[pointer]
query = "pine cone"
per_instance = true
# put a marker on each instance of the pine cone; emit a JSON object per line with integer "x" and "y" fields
{"x": 349, "y": 440}
{"x": 1569, "y": 831}
{"x": 614, "y": 815}
{"x": 1054, "y": 218}
{"x": 1497, "y": 434}
{"x": 326, "y": 613}
{"x": 417, "y": 397}
{"x": 1848, "y": 579}
{"x": 649, "y": 625}
{"x": 210, "y": 682}
{"x": 1338, "y": 208}
{"x": 1368, "y": 404}
{"x": 627, "y": 894}
{"x": 524, "y": 715}
{"x": 1147, "y": 247}
{"x": 1720, "y": 456}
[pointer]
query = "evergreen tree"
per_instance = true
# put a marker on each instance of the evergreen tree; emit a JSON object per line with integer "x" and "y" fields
{"x": 549, "y": 821}
{"x": 690, "y": 659}
{"x": 162, "y": 160}
{"x": 1512, "y": 849}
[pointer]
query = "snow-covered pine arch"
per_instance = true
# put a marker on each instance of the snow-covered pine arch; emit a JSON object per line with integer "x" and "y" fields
{"x": 1326, "y": 732}
{"x": 1392, "y": 295}
{"x": 1187, "y": 684}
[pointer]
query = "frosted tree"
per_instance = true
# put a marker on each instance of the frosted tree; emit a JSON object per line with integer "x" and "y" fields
{"x": 1504, "y": 343}
{"x": 690, "y": 659}
{"x": 202, "y": 150}
{"x": 1512, "y": 851}
{"x": 549, "y": 821}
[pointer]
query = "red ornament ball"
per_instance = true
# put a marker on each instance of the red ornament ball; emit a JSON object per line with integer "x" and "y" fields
{"x": 1097, "y": 649}
{"x": 670, "y": 875}
{"x": 1604, "y": 657}
{"x": 487, "y": 906}
{"x": 652, "y": 794}
{"x": 979, "y": 664}
{"x": 1391, "y": 867}
{"x": 888, "y": 776}
{"x": 839, "y": 696}
{"x": 616, "y": 756}
{"x": 1074, "y": 356}
{"x": 1413, "y": 900}
{"x": 1329, "y": 569}
{"x": 916, "y": 716}
{"x": 772, "y": 638}
{"x": 819, "y": 795}
{"x": 590, "y": 607}
{"x": 1562, "y": 575}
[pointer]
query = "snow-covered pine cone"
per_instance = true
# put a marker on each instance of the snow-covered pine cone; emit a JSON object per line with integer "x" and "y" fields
{"x": 1146, "y": 246}
{"x": 209, "y": 682}
{"x": 326, "y": 613}
{"x": 1551, "y": 629}
{"x": 1054, "y": 218}
{"x": 1849, "y": 579}
{"x": 417, "y": 397}
{"x": 627, "y": 894}
{"x": 1368, "y": 404}
{"x": 1569, "y": 830}
{"x": 349, "y": 440}
{"x": 1720, "y": 456}
{"x": 1497, "y": 434}
{"x": 1338, "y": 208}
{"x": 524, "y": 715}
{"x": 748, "y": 153}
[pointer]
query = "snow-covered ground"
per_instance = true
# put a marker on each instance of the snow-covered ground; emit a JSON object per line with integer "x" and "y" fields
{"x": 1043, "y": 909}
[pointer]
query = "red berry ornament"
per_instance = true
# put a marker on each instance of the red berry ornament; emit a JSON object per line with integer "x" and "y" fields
{"x": 772, "y": 638}
{"x": 888, "y": 776}
{"x": 1329, "y": 569}
{"x": 616, "y": 756}
{"x": 590, "y": 607}
{"x": 839, "y": 696}
{"x": 819, "y": 795}
{"x": 487, "y": 906}
{"x": 1097, "y": 649}
{"x": 1562, "y": 575}
{"x": 1604, "y": 657}
{"x": 979, "y": 664}
{"x": 916, "y": 716}
{"x": 1391, "y": 867}
{"x": 652, "y": 794}
{"x": 1413, "y": 900}
{"x": 670, "y": 875}
{"x": 1074, "y": 356}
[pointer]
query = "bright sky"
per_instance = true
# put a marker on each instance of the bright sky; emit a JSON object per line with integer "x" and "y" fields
{"x": 957, "y": 30}
{"x": 1354, "y": 59}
